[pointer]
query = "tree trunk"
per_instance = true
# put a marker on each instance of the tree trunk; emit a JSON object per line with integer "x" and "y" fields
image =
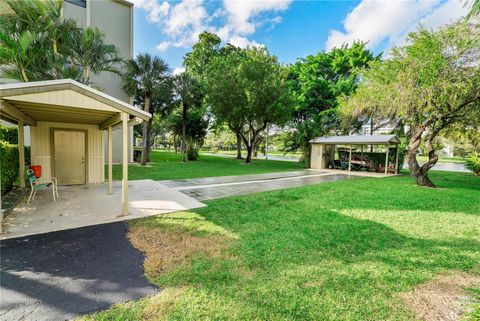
{"x": 239, "y": 146}
{"x": 248, "y": 160}
{"x": 306, "y": 151}
{"x": 184, "y": 133}
{"x": 255, "y": 149}
{"x": 149, "y": 138}
{"x": 420, "y": 173}
{"x": 175, "y": 143}
{"x": 143, "y": 160}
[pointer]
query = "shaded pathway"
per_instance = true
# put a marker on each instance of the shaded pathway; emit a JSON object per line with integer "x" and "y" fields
{"x": 59, "y": 275}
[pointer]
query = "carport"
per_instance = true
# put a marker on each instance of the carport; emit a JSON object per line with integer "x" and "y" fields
{"x": 68, "y": 120}
{"x": 325, "y": 148}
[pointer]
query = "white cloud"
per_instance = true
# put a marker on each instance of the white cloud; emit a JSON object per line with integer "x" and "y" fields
{"x": 243, "y": 42}
{"x": 154, "y": 9}
{"x": 377, "y": 21}
{"x": 241, "y": 15}
{"x": 182, "y": 22}
{"x": 162, "y": 46}
{"x": 178, "y": 70}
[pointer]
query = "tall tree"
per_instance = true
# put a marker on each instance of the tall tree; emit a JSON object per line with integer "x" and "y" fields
{"x": 197, "y": 61}
{"x": 246, "y": 89}
{"x": 317, "y": 82}
{"x": 431, "y": 83}
{"x": 146, "y": 77}
{"x": 188, "y": 95}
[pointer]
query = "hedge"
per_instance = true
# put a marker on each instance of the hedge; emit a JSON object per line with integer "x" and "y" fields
{"x": 8, "y": 165}
{"x": 9, "y": 162}
{"x": 9, "y": 134}
{"x": 377, "y": 158}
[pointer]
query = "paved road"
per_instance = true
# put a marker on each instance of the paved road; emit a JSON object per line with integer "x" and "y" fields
{"x": 59, "y": 275}
{"x": 217, "y": 187}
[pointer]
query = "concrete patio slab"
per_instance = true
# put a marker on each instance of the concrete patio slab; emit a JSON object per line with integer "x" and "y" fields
{"x": 85, "y": 205}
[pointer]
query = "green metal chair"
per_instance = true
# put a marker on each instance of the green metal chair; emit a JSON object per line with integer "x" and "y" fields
{"x": 36, "y": 186}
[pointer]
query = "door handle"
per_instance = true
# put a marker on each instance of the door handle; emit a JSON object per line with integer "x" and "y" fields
{"x": 83, "y": 160}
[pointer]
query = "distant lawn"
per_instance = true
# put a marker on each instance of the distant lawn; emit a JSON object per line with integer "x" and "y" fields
{"x": 168, "y": 165}
{"x": 260, "y": 154}
{"x": 423, "y": 159}
{"x": 345, "y": 250}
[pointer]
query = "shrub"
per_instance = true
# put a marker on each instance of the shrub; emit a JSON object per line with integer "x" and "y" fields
{"x": 8, "y": 165}
{"x": 192, "y": 154}
{"x": 137, "y": 155}
{"x": 472, "y": 163}
{"x": 9, "y": 134}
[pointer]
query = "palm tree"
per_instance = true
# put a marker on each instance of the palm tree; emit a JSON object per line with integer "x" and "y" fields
{"x": 50, "y": 38}
{"x": 188, "y": 94}
{"x": 13, "y": 54}
{"x": 474, "y": 8}
{"x": 94, "y": 56}
{"x": 145, "y": 77}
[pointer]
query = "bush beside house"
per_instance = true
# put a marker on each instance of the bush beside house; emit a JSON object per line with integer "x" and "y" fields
{"x": 8, "y": 165}
{"x": 9, "y": 162}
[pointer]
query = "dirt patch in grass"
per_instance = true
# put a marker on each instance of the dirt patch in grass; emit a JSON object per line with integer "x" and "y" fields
{"x": 165, "y": 248}
{"x": 442, "y": 299}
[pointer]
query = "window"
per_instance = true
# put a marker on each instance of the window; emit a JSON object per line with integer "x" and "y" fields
{"x": 81, "y": 3}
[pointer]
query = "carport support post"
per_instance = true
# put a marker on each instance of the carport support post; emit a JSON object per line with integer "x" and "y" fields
{"x": 386, "y": 159}
{"x": 125, "y": 163}
{"x": 110, "y": 170}
{"x": 21, "y": 154}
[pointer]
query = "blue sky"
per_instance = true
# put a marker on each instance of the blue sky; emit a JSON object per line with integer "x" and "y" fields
{"x": 289, "y": 29}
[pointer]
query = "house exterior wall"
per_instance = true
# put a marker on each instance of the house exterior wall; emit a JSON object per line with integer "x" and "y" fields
{"x": 115, "y": 19}
{"x": 41, "y": 150}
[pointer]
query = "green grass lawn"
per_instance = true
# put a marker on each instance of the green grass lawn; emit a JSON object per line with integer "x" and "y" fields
{"x": 423, "y": 159}
{"x": 345, "y": 250}
{"x": 168, "y": 165}
{"x": 244, "y": 153}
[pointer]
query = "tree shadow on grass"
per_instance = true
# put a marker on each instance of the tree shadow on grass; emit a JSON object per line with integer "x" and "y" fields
{"x": 302, "y": 236}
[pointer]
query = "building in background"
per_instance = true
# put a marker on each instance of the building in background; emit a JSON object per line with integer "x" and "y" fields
{"x": 115, "y": 19}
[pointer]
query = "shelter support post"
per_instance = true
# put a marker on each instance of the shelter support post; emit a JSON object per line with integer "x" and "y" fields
{"x": 21, "y": 153}
{"x": 396, "y": 159}
{"x": 350, "y": 159}
{"x": 386, "y": 159}
{"x": 110, "y": 169}
{"x": 125, "y": 163}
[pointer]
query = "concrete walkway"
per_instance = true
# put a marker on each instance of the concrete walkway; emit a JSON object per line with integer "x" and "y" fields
{"x": 59, "y": 275}
{"x": 225, "y": 186}
{"x": 85, "y": 205}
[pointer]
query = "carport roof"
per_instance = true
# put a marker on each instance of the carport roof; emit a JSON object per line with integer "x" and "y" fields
{"x": 63, "y": 100}
{"x": 357, "y": 140}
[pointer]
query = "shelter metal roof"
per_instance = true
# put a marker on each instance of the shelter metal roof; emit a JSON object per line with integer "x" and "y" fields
{"x": 357, "y": 140}
{"x": 63, "y": 100}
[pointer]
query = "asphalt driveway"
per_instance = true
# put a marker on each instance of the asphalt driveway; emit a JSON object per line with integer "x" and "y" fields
{"x": 59, "y": 275}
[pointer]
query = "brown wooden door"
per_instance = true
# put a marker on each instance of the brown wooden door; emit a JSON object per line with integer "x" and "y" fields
{"x": 70, "y": 157}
